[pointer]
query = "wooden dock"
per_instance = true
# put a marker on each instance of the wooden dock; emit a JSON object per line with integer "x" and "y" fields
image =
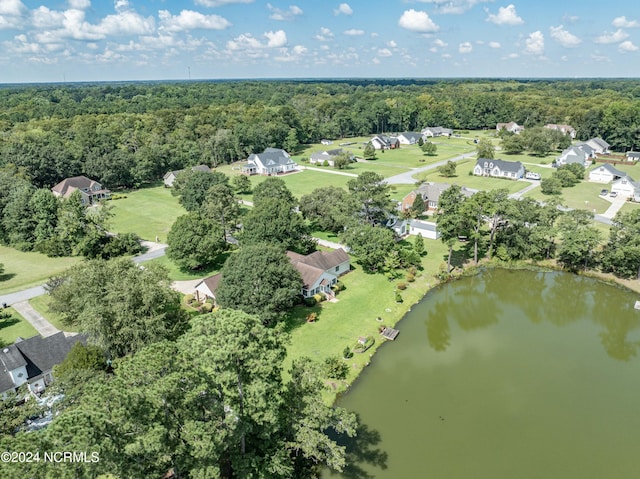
{"x": 390, "y": 333}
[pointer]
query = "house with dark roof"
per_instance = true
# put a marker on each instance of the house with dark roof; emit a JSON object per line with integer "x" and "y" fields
{"x": 170, "y": 176}
{"x": 564, "y": 129}
{"x": 513, "y": 170}
{"x": 431, "y": 131}
{"x": 605, "y": 173}
{"x": 319, "y": 157}
{"x": 633, "y": 155}
{"x": 409, "y": 137}
{"x": 574, "y": 154}
{"x": 272, "y": 161}
{"x": 91, "y": 191}
{"x": 31, "y": 361}
{"x": 319, "y": 271}
{"x": 430, "y": 193}
{"x": 383, "y": 142}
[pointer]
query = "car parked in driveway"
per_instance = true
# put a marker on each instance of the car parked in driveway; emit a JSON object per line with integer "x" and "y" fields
{"x": 531, "y": 175}
{"x": 604, "y": 192}
{"x": 613, "y": 194}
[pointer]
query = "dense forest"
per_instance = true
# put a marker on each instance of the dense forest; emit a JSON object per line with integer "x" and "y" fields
{"x": 129, "y": 134}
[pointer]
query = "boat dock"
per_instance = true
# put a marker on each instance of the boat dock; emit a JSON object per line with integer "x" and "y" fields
{"x": 390, "y": 333}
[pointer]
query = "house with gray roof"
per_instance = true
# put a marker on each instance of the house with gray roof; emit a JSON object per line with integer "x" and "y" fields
{"x": 31, "y": 361}
{"x": 319, "y": 157}
{"x": 91, "y": 191}
{"x": 599, "y": 145}
{"x": 272, "y": 161}
{"x": 409, "y": 137}
{"x": 512, "y": 170}
{"x": 626, "y": 187}
{"x": 573, "y": 154}
{"x": 633, "y": 155}
{"x": 170, "y": 176}
{"x": 384, "y": 142}
{"x": 430, "y": 193}
{"x": 605, "y": 173}
{"x": 431, "y": 131}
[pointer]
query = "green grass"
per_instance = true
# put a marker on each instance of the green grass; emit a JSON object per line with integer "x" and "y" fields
{"x": 24, "y": 270}
{"x": 14, "y": 327}
{"x": 148, "y": 212}
{"x": 41, "y": 305}
{"x": 366, "y": 297}
{"x": 175, "y": 274}
{"x": 471, "y": 181}
{"x": 584, "y": 196}
{"x": 528, "y": 159}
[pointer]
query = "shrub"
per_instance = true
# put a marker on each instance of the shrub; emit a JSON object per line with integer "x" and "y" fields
{"x": 310, "y": 301}
{"x": 413, "y": 270}
{"x": 401, "y": 286}
{"x": 410, "y": 278}
{"x": 189, "y": 298}
{"x": 206, "y": 308}
{"x": 347, "y": 353}
{"x": 319, "y": 297}
{"x": 339, "y": 286}
{"x": 398, "y": 297}
{"x": 335, "y": 368}
{"x": 312, "y": 317}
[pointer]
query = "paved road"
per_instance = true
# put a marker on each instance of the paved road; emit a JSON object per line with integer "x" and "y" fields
{"x": 407, "y": 177}
{"x": 44, "y": 327}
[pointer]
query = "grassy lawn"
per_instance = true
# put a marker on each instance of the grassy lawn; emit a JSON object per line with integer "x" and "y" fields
{"x": 14, "y": 327}
{"x": 463, "y": 178}
{"x": 24, "y": 270}
{"x": 176, "y": 274}
{"x": 341, "y": 324}
{"x": 584, "y": 195}
{"x": 41, "y": 305}
{"x": 528, "y": 159}
{"x": 148, "y": 212}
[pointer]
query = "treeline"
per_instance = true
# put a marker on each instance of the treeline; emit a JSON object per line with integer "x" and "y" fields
{"x": 125, "y": 135}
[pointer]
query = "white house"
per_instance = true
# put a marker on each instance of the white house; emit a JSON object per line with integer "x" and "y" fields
{"x": 206, "y": 289}
{"x": 320, "y": 270}
{"x": 599, "y": 145}
{"x": 573, "y": 154}
{"x": 565, "y": 129}
{"x": 513, "y": 170}
{"x": 605, "y": 173}
{"x": 319, "y": 157}
{"x": 431, "y": 131}
{"x": 427, "y": 229}
{"x": 31, "y": 361}
{"x": 409, "y": 137}
{"x": 626, "y": 187}
{"x": 633, "y": 155}
{"x": 383, "y": 142}
{"x": 271, "y": 161}
{"x": 512, "y": 126}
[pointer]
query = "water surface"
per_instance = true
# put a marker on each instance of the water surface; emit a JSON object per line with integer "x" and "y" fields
{"x": 507, "y": 374}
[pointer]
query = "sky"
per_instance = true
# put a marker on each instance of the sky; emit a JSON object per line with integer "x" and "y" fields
{"x": 122, "y": 40}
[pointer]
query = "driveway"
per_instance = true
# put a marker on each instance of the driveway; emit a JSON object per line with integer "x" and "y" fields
{"x": 44, "y": 327}
{"x": 616, "y": 204}
{"x": 407, "y": 177}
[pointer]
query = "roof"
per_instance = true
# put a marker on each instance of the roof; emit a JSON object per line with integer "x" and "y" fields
{"x": 600, "y": 142}
{"x": 633, "y": 154}
{"x": 203, "y": 168}
{"x": 69, "y": 185}
{"x": 271, "y": 157}
{"x": 326, "y": 154}
{"x": 312, "y": 266}
{"x": 611, "y": 169}
{"x": 432, "y": 191}
{"x": 211, "y": 282}
{"x": 574, "y": 154}
{"x": 437, "y": 129}
{"x": 564, "y": 128}
{"x": 503, "y": 165}
{"x": 38, "y": 354}
{"x": 423, "y": 225}
{"x": 411, "y": 135}
{"x": 588, "y": 149}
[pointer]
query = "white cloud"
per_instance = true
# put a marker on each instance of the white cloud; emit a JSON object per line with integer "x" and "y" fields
{"x": 291, "y": 55}
{"x": 512, "y": 56}
{"x": 325, "y": 34}
{"x": 276, "y": 39}
{"x": 392, "y": 44}
{"x": 454, "y": 6}
{"x": 564, "y": 38}
{"x": 384, "y": 52}
{"x": 13, "y": 8}
{"x": 614, "y": 37}
{"x": 535, "y": 43}
{"x": 417, "y": 21}
{"x": 627, "y": 46}
{"x": 80, "y": 4}
{"x": 505, "y": 16}
{"x": 622, "y": 22}
{"x": 246, "y": 41}
{"x": 439, "y": 43}
{"x": 282, "y": 15}
{"x": 494, "y": 44}
{"x": 43, "y": 18}
{"x": 191, "y": 20}
{"x": 354, "y": 32}
{"x": 218, "y": 3}
{"x": 343, "y": 9}
{"x": 376, "y": 61}
{"x": 465, "y": 47}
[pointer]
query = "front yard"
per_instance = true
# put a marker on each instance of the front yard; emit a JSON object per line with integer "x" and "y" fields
{"x": 14, "y": 327}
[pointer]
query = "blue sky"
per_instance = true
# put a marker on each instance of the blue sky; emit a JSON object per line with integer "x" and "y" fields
{"x": 91, "y": 40}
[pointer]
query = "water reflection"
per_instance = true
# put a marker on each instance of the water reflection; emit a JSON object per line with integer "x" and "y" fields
{"x": 361, "y": 450}
{"x": 542, "y": 297}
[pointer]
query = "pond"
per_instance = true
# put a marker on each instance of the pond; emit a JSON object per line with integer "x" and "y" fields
{"x": 507, "y": 374}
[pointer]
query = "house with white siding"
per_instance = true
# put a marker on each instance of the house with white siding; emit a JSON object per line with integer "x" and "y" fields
{"x": 512, "y": 170}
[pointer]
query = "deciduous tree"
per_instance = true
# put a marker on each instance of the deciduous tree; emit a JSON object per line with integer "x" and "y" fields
{"x": 195, "y": 241}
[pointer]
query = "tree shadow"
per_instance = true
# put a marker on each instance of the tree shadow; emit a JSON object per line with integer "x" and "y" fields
{"x": 6, "y": 276}
{"x": 458, "y": 257}
{"x": 361, "y": 450}
{"x": 297, "y": 317}
{"x": 8, "y": 322}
